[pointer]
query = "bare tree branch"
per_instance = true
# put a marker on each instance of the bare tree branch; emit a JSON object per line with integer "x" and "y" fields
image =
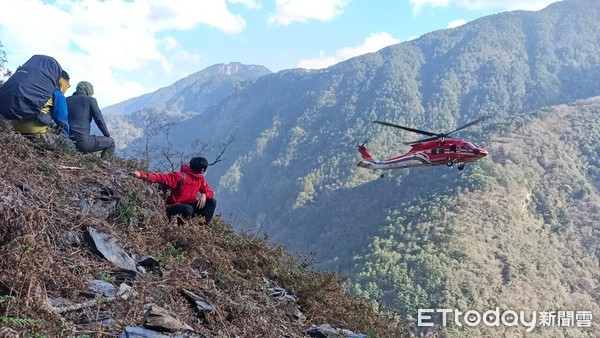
{"x": 223, "y": 147}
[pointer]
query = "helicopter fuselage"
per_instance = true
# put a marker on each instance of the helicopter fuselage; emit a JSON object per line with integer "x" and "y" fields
{"x": 431, "y": 153}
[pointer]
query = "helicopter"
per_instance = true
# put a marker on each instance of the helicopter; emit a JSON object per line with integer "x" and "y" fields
{"x": 437, "y": 149}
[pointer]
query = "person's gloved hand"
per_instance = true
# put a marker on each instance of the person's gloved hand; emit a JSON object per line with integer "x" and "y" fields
{"x": 46, "y": 120}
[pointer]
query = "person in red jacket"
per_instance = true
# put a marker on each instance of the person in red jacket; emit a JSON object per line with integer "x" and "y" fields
{"x": 190, "y": 194}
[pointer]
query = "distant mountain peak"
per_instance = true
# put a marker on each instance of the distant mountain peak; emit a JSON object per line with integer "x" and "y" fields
{"x": 240, "y": 71}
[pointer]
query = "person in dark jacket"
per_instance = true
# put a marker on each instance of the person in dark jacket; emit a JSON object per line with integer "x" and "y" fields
{"x": 82, "y": 109}
{"x": 190, "y": 195}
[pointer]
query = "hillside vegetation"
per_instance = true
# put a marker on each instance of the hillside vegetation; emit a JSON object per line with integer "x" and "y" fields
{"x": 50, "y": 201}
{"x": 518, "y": 231}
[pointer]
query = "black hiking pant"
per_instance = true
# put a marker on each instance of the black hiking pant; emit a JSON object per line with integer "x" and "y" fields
{"x": 93, "y": 143}
{"x": 189, "y": 210}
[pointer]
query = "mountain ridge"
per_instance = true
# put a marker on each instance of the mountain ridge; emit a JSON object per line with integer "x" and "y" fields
{"x": 232, "y": 69}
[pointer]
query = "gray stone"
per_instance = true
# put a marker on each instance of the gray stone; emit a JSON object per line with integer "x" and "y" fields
{"x": 107, "y": 247}
{"x": 103, "y": 288}
{"x": 149, "y": 263}
{"x": 158, "y": 318}
{"x": 84, "y": 207}
{"x": 282, "y": 294}
{"x": 103, "y": 208}
{"x": 109, "y": 324}
{"x": 70, "y": 237}
{"x": 199, "y": 302}
{"x": 327, "y": 331}
{"x": 140, "y": 332}
{"x": 125, "y": 292}
{"x": 323, "y": 331}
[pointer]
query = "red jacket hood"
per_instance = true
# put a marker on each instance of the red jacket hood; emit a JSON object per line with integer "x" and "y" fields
{"x": 185, "y": 168}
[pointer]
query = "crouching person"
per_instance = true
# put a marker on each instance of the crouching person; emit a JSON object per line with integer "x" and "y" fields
{"x": 190, "y": 195}
{"x": 83, "y": 108}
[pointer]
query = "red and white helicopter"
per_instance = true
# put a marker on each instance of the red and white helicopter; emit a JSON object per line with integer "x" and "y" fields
{"x": 438, "y": 149}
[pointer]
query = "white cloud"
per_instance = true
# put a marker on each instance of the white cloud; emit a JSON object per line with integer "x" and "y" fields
{"x": 372, "y": 43}
{"x": 417, "y": 4}
{"x": 456, "y": 23}
{"x": 98, "y": 40}
{"x": 510, "y": 5}
{"x": 289, "y": 11}
{"x": 248, "y": 3}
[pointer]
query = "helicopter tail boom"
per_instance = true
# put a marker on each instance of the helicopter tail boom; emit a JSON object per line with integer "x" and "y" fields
{"x": 367, "y": 161}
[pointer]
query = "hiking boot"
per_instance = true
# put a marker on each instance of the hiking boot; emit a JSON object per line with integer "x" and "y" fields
{"x": 108, "y": 152}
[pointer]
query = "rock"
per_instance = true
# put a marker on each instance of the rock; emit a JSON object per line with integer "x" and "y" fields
{"x": 200, "y": 304}
{"x": 158, "y": 318}
{"x": 103, "y": 288}
{"x": 23, "y": 186}
{"x": 70, "y": 237}
{"x": 292, "y": 310}
{"x": 282, "y": 294}
{"x": 288, "y": 302}
{"x": 126, "y": 292}
{"x": 139, "y": 332}
{"x": 327, "y": 331}
{"x": 84, "y": 207}
{"x": 152, "y": 264}
{"x": 108, "y": 248}
{"x": 103, "y": 208}
{"x": 323, "y": 331}
{"x": 109, "y": 324}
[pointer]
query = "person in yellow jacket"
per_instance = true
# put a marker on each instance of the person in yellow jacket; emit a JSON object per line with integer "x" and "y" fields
{"x": 56, "y": 107}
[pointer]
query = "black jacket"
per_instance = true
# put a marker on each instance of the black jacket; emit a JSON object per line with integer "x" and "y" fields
{"x": 82, "y": 109}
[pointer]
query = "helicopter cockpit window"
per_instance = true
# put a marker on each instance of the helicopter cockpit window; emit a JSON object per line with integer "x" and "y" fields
{"x": 464, "y": 146}
{"x": 453, "y": 148}
{"x": 434, "y": 151}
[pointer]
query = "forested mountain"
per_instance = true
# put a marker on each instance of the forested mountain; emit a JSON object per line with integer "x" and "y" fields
{"x": 141, "y": 118}
{"x": 194, "y": 92}
{"x": 515, "y": 230}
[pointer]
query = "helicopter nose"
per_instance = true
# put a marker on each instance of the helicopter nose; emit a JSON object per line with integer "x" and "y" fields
{"x": 483, "y": 152}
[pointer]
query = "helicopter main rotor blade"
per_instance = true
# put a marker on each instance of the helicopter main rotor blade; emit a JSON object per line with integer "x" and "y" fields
{"x": 422, "y": 132}
{"x": 466, "y": 126}
{"x": 423, "y": 140}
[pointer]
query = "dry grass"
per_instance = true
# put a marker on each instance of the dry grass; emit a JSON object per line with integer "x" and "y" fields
{"x": 43, "y": 256}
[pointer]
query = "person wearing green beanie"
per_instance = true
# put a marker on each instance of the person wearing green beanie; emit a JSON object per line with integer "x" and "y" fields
{"x": 83, "y": 108}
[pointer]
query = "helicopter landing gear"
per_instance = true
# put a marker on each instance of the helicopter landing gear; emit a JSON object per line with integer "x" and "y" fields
{"x": 461, "y": 166}
{"x": 450, "y": 162}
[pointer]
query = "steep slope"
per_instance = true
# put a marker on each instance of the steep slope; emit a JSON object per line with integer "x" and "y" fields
{"x": 61, "y": 212}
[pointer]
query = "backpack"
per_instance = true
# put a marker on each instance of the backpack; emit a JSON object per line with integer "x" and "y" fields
{"x": 24, "y": 94}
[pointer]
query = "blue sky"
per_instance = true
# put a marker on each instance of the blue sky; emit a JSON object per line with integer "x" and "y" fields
{"x": 127, "y": 48}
